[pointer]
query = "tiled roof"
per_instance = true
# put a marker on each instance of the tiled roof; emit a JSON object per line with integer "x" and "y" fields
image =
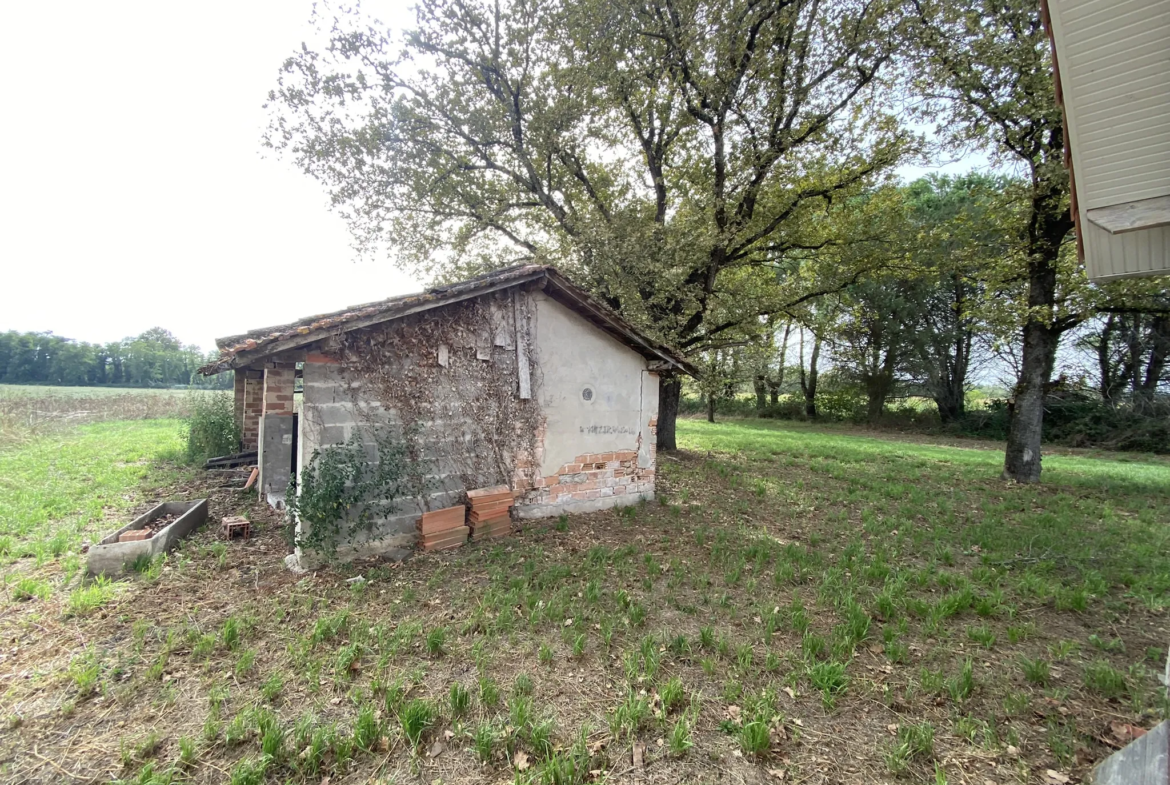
{"x": 236, "y": 351}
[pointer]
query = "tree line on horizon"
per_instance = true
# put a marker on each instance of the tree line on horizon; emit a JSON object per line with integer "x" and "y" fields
{"x": 156, "y": 358}
{"x": 938, "y": 313}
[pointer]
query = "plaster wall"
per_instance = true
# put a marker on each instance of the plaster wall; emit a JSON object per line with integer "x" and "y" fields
{"x": 600, "y": 405}
{"x": 649, "y": 422}
{"x": 573, "y": 355}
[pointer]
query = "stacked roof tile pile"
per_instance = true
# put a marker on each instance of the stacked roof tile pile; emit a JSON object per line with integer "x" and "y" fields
{"x": 491, "y": 512}
{"x": 442, "y": 529}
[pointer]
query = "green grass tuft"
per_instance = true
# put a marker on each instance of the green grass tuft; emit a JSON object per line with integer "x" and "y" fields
{"x": 415, "y": 718}
{"x": 1104, "y": 679}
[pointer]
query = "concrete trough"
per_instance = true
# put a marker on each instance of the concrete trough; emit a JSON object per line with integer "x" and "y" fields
{"x": 110, "y": 557}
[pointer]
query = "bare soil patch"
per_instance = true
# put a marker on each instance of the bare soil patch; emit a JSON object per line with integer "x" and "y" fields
{"x": 819, "y": 624}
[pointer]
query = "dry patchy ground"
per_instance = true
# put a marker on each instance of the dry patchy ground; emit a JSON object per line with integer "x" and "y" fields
{"x": 799, "y": 606}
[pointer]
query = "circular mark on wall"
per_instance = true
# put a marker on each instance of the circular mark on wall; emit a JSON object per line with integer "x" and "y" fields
{"x": 587, "y": 395}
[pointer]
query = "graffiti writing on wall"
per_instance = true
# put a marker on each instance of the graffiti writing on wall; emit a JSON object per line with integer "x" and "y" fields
{"x": 603, "y": 430}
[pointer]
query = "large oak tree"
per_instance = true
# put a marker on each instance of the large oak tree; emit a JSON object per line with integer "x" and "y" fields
{"x": 677, "y": 156}
{"x": 989, "y": 64}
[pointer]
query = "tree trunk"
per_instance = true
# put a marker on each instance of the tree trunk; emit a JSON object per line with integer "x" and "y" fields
{"x": 1022, "y": 458}
{"x": 760, "y": 384}
{"x": 1104, "y": 362}
{"x": 710, "y": 408}
{"x": 808, "y": 384}
{"x": 950, "y": 389}
{"x": 1050, "y": 222}
{"x": 879, "y": 386}
{"x": 774, "y": 385}
{"x": 669, "y": 392}
{"x": 875, "y": 403}
{"x": 950, "y": 404}
{"x": 1134, "y": 352}
{"x": 1159, "y": 356}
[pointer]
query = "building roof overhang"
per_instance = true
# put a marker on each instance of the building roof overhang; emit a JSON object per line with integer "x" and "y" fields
{"x": 240, "y": 351}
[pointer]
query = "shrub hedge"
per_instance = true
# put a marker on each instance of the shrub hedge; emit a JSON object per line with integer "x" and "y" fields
{"x": 1072, "y": 419}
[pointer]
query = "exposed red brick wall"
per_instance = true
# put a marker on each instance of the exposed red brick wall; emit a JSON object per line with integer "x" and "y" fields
{"x": 253, "y": 407}
{"x": 590, "y": 476}
{"x": 279, "y": 382}
{"x": 238, "y": 399}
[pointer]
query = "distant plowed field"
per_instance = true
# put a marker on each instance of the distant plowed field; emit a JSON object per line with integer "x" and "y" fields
{"x": 27, "y": 411}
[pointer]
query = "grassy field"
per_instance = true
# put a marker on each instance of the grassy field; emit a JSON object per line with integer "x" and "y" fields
{"x": 799, "y": 606}
{"x": 64, "y": 488}
{"x": 31, "y": 411}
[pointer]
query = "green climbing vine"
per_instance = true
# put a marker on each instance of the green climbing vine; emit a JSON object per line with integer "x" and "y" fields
{"x": 341, "y": 491}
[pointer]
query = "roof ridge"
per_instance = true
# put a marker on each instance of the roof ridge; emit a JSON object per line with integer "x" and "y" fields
{"x": 240, "y": 350}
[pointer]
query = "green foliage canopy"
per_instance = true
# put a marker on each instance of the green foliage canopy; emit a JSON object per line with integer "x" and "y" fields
{"x": 677, "y": 157}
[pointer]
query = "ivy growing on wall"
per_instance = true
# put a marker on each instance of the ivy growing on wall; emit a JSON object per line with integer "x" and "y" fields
{"x": 449, "y": 376}
{"x": 342, "y": 492}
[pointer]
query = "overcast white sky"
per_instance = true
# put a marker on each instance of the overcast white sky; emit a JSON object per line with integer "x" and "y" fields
{"x": 133, "y": 190}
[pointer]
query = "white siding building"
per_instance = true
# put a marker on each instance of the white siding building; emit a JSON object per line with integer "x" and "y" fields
{"x": 1113, "y": 78}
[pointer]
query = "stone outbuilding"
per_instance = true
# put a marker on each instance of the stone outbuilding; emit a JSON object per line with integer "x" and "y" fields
{"x": 517, "y": 377}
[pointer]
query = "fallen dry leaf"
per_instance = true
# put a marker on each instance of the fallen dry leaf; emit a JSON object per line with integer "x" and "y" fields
{"x": 639, "y": 755}
{"x": 1124, "y": 732}
{"x": 1055, "y": 778}
{"x": 791, "y": 692}
{"x": 521, "y": 760}
{"x": 777, "y": 774}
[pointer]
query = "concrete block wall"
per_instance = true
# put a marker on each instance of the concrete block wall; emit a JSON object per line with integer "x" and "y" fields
{"x": 333, "y": 410}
